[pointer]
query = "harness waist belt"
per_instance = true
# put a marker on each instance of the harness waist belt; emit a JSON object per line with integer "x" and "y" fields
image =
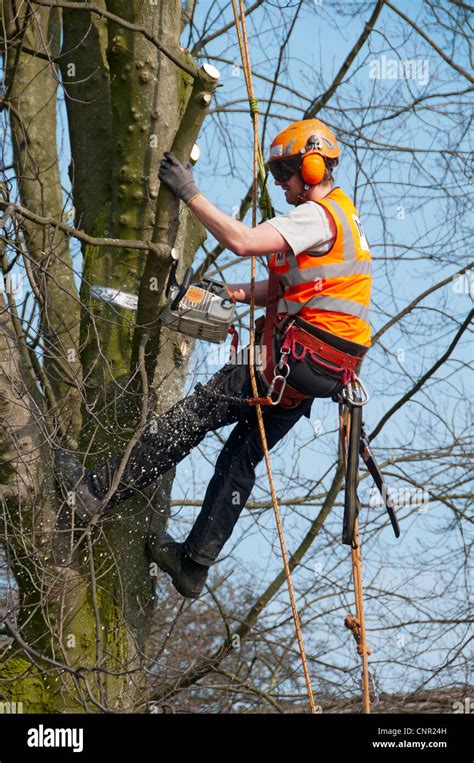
{"x": 317, "y": 346}
{"x": 309, "y": 342}
{"x": 340, "y": 343}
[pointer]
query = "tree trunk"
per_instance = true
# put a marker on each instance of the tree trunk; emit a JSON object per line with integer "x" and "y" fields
{"x": 126, "y": 103}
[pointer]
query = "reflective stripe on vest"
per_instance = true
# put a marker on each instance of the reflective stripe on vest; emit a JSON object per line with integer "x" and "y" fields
{"x": 346, "y": 270}
{"x": 335, "y": 304}
{"x": 333, "y": 270}
{"x": 349, "y": 248}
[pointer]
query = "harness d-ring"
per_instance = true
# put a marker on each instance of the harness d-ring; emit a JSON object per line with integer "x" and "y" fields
{"x": 355, "y": 393}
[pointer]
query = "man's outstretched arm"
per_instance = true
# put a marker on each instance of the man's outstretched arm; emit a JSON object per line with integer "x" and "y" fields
{"x": 230, "y": 233}
{"x": 234, "y": 234}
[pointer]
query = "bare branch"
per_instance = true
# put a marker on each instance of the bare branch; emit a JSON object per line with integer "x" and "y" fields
{"x": 191, "y": 70}
{"x": 431, "y": 42}
{"x": 322, "y": 100}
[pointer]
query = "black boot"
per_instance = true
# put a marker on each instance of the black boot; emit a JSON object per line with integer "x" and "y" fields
{"x": 70, "y": 474}
{"x": 187, "y": 576}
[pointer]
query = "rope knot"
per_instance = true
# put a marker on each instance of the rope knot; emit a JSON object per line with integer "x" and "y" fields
{"x": 253, "y": 103}
{"x": 353, "y": 625}
{"x": 265, "y": 205}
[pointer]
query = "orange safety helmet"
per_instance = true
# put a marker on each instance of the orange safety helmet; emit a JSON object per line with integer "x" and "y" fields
{"x": 303, "y": 146}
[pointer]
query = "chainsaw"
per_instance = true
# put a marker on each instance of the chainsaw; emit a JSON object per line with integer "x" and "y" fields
{"x": 203, "y": 310}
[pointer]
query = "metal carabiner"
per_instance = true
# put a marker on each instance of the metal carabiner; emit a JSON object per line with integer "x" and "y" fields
{"x": 281, "y": 371}
{"x": 278, "y": 377}
{"x": 355, "y": 393}
{"x": 272, "y": 387}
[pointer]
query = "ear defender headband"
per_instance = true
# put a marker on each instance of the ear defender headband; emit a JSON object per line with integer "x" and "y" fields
{"x": 313, "y": 167}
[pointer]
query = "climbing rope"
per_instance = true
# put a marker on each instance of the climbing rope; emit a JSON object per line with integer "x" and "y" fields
{"x": 259, "y": 169}
{"x": 356, "y": 624}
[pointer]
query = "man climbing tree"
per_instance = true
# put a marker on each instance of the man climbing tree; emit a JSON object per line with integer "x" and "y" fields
{"x": 320, "y": 326}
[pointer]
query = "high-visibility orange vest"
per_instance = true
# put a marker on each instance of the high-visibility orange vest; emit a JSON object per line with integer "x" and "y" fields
{"x": 331, "y": 290}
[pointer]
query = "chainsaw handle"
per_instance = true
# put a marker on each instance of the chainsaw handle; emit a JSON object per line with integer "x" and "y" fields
{"x": 187, "y": 280}
{"x": 172, "y": 277}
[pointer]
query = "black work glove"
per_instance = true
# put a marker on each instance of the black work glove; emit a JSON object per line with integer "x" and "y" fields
{"x": 178, "y": 177}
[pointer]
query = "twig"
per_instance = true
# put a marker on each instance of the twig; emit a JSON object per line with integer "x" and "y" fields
{"x": 324, "y": 98}
{"x": 421, "y": 381}
{"x": 81, "y": 235}
{"x": 143, "y": 421}
{"x": 208, "y": 665}
{"x": 252, "y": 689}
{"x": 439, "y": 51}
{"x": 202, "y": 43}
{"x": 191, "y": 70}
{"x": 419, "y": 299}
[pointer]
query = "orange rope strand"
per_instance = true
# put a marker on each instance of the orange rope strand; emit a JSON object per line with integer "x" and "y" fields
{"x": 244, "y": 51}
{"x": 362, "y": 647}
{"x": 357, "y": 624}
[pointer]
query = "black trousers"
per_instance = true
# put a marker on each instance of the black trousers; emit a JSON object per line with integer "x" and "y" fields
{"x": 185, "y": 425}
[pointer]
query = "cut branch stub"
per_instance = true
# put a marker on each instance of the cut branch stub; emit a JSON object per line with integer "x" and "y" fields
{"x": 195, "y": 154}
{"x": 211, "y": 71}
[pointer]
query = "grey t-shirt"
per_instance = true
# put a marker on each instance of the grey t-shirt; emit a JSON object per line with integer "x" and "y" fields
{"x": 306, "y": 228}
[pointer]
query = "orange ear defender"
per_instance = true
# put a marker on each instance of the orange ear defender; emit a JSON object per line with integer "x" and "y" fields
{"x": 312, "y": 169}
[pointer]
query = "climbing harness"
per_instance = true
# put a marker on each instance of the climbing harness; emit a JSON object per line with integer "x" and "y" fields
{"x": 294, "y": 335}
